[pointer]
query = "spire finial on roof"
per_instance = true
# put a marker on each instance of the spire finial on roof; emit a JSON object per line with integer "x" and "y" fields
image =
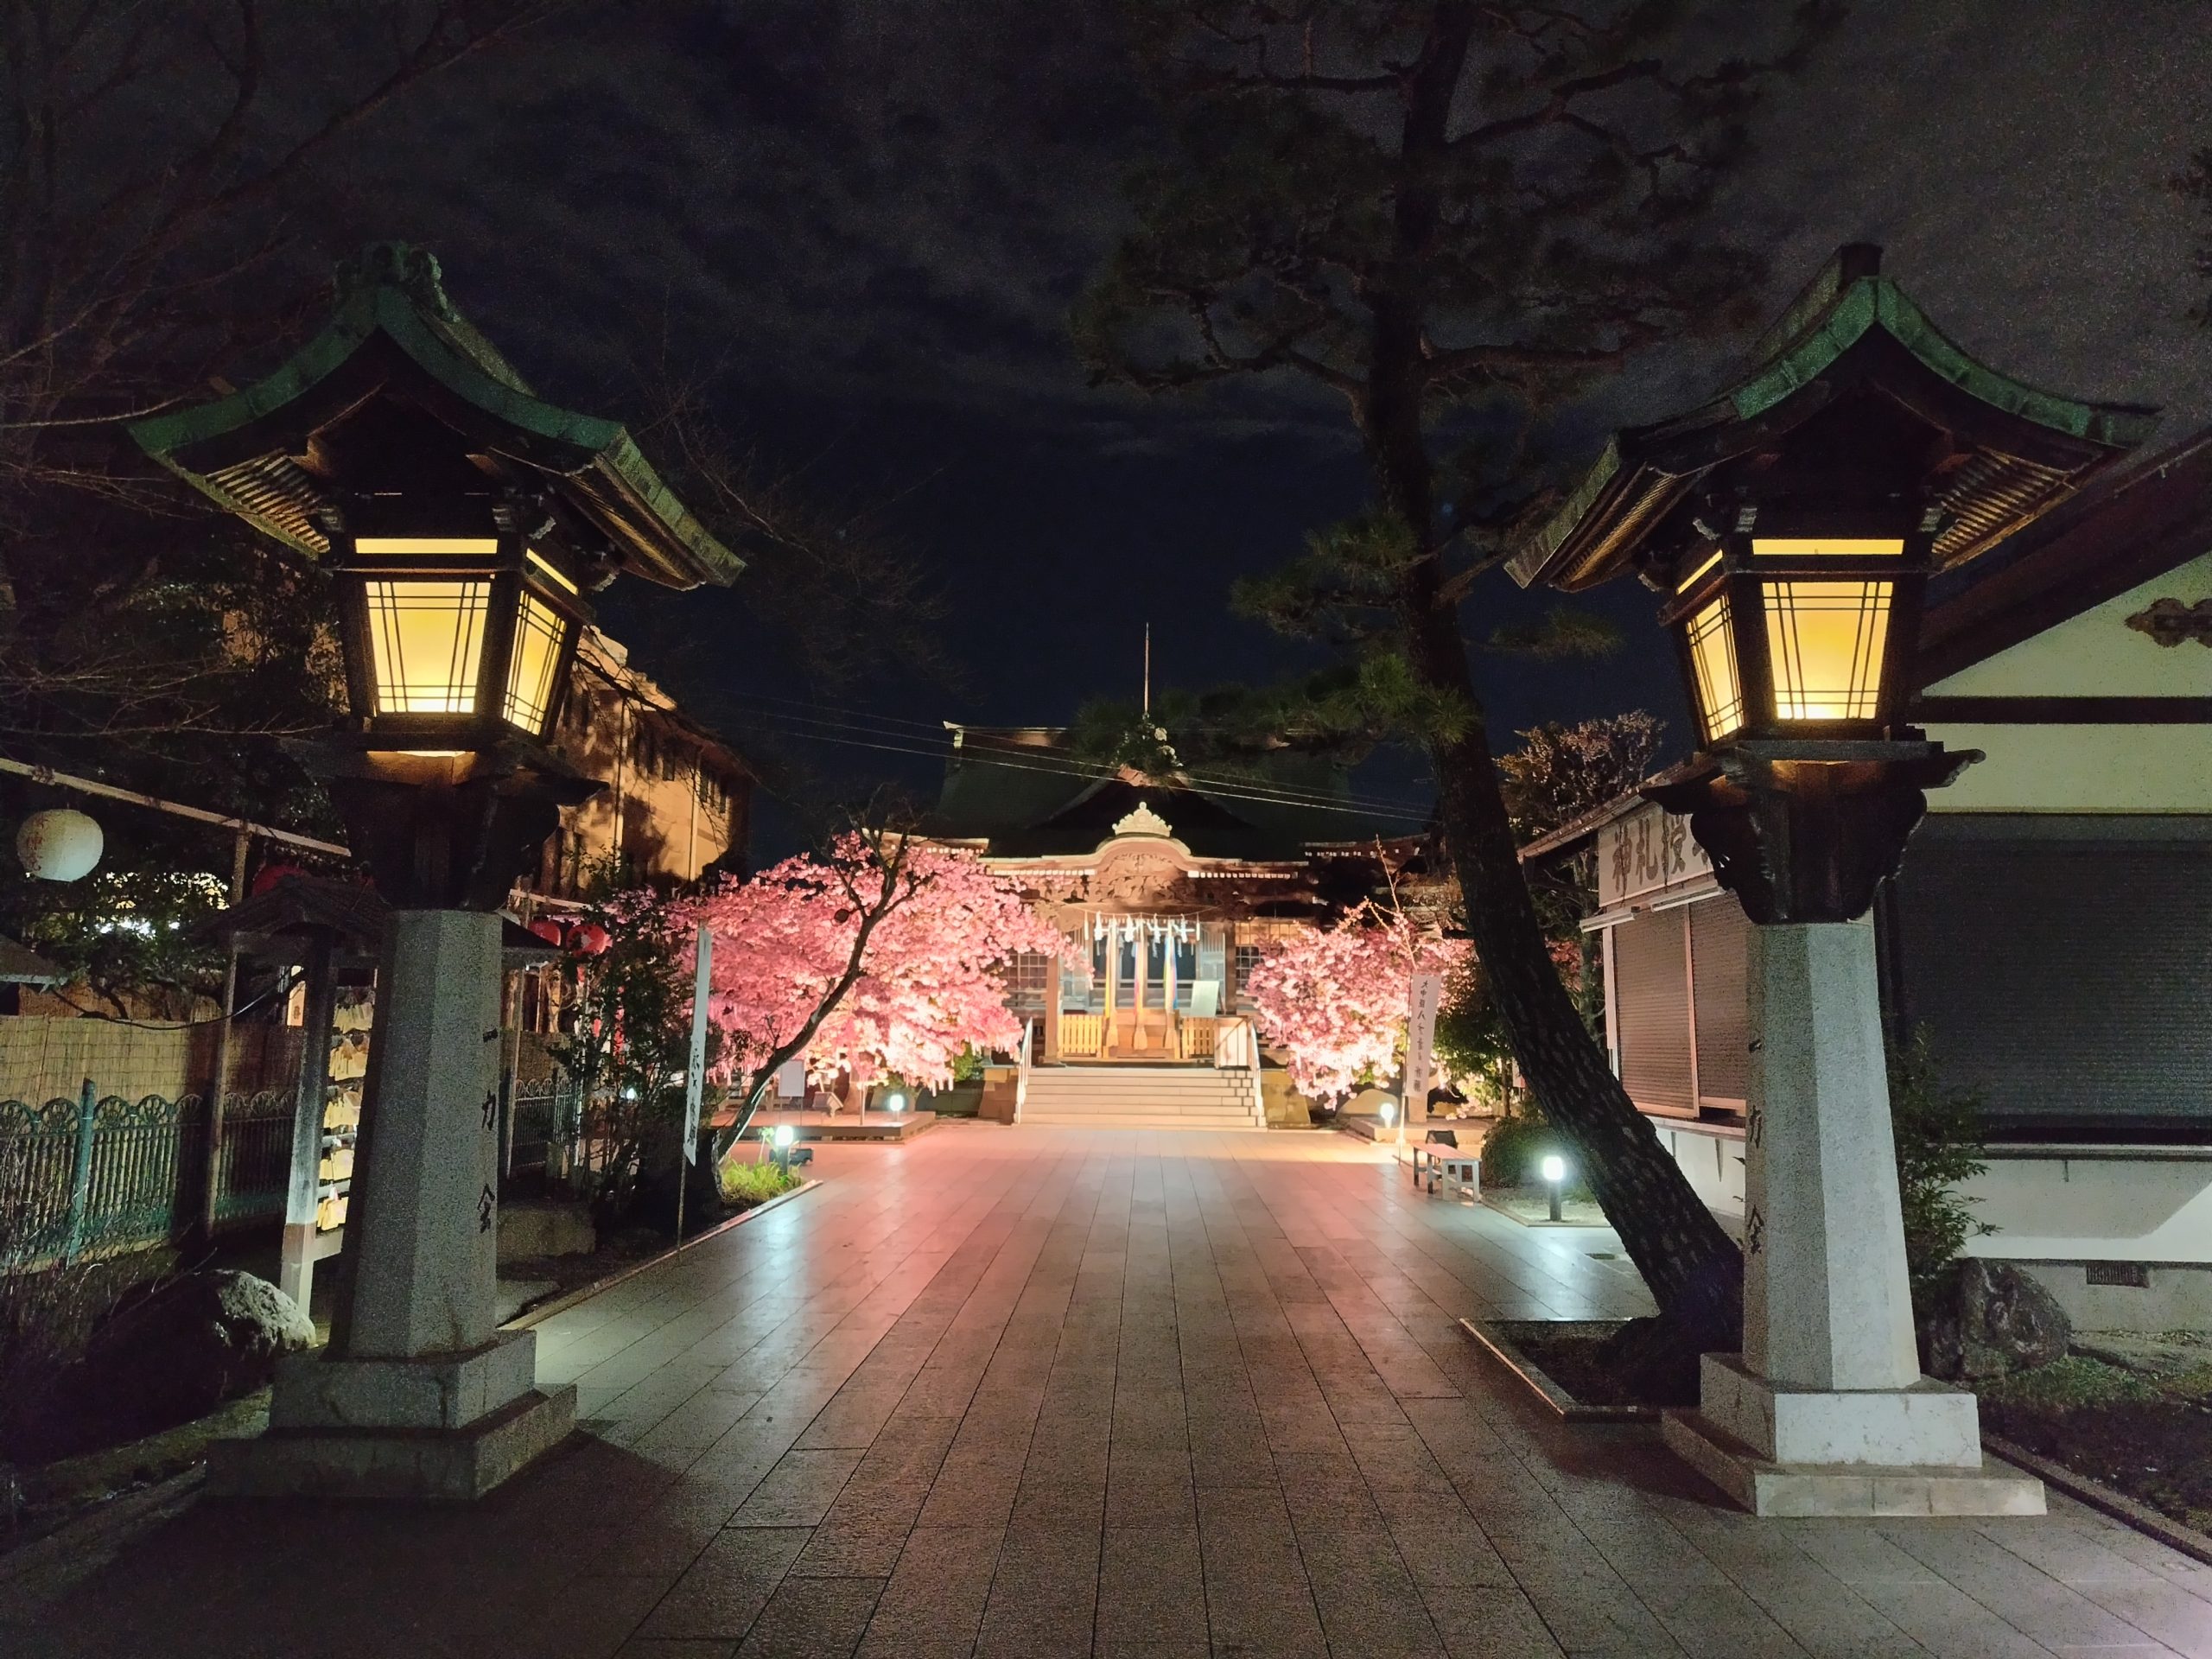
{"x": 414, "y": 272}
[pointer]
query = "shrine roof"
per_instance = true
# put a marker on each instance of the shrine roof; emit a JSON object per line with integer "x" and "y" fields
{"x": 1199, "y": 823}
{"x": 21, "y": 965}
{"x": 1024, "y": 795}
{"x": 2015, "y": 450}
{"x": 395, "y": 334}
{"x": 2122, "y": 531}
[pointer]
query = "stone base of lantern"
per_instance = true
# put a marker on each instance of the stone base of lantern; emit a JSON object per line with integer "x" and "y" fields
{"x": 1800, "y": 1451}
{"x": 444, "y": 1428}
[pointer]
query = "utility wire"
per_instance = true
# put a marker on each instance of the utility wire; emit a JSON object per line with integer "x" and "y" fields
{"x": 1248, "y": 788}
{"x": 283, "y": 988}
{"x": 980, "y": 758}
{"x": 1236, "y": 787}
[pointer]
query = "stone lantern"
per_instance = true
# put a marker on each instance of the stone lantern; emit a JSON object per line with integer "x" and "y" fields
{"x": 467, "y": 523}
{"x": 1790, "y": 524}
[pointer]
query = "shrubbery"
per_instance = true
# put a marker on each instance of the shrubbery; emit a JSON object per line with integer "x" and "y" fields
{"x": 746, "y": 1185}
{"x": 1514, "y": 1148}
{"x": 1938, "y": 1134}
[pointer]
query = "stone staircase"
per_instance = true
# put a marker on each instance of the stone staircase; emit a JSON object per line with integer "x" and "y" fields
{"x": 1122, "y": 1096}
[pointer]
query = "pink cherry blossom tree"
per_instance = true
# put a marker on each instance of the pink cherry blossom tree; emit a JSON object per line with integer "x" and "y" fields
{"x": 1337, "y": 1000}
{"x": 877, "y": 958}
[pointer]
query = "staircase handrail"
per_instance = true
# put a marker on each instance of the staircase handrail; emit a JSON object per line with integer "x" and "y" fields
{"x": 1233, "y": 1045}
{"x": 1237, "y": 1048}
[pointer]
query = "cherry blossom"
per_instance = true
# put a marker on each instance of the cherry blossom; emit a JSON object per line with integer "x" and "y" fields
{"x": 927, "y": 986}
{"x": 1337, "y": 1000}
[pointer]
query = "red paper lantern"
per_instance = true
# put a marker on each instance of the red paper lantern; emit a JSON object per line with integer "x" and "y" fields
{"x": 547, "y": 929}
{"x": 269, "y": 875}
{"x": 588, "y": 939}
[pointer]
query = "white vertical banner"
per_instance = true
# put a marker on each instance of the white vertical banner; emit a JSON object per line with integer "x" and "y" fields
{"x": 694, "y": 1075}
{"x": 1420, "y": 1041}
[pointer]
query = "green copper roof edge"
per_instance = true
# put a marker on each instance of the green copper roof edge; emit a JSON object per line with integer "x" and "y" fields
{"x": 1829, "y": 327}
{"x": 223, "y": 499}
{"x": 1551, "y": 536}
{"x": 161, "y": 435}
{"x": 1872, "y": 300}
{"x": 386, "y": 306}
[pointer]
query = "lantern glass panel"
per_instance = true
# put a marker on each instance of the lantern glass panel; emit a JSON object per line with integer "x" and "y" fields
{"x": 1697, "y": 571}
{"x": 1712, "y": 659}
{"x": 538, "y": 631}
{"x": 426, "y": 641}
{"x": 481, "y": 547}
{"x": 1827, "y": 547}
{"x": 1825, "y": 641}
{"x": 550, "y": 571}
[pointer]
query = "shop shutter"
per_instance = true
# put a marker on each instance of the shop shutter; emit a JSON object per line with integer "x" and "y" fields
{"x": 2065, "y": 981}
{"x": 1719, "y": 938}
{"x": 1651, "y": 1000}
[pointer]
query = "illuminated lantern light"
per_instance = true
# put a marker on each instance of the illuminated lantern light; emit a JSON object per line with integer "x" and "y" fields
{"x": 450, "y": 637}
{"x": 60, "y": 844}
{"x": 589, "y": 939}
{"x": 1798, "y": 635}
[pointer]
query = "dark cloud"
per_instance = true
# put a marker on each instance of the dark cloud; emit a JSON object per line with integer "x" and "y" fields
{"x": 870, "y": 217}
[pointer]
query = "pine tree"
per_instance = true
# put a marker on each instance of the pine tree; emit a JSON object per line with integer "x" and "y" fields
{"x": 1449, "y": 214}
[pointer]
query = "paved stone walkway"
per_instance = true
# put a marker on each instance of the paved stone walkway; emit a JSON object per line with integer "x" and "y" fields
{"x": 1031, "y": 1393}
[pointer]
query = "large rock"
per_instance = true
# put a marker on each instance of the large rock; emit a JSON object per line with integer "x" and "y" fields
{"x": 533, "y": 1227}
{"x": 194, "y": 1343}
{"x": 1989, "y": 1318}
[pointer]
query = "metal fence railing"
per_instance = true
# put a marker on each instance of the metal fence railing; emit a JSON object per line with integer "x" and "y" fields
{"x": 103, "y": 1174}
{"x": 254, "y": 1167}
{"x": 537, "y": 1122}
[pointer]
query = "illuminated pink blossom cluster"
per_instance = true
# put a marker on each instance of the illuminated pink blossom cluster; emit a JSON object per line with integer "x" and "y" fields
{"x": 1335, "y": 999}
{"x": 926, "y": 987}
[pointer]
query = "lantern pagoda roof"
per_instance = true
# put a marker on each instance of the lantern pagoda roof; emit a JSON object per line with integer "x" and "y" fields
{"x": 278, "y": 454}
{"x": 275, "y": 926}
{"x": 1852, "y": 356}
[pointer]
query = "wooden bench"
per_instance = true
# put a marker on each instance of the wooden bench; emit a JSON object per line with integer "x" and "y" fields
{"x": 1440, "y": 1158}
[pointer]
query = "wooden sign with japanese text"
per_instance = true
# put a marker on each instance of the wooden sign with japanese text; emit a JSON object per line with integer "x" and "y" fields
{"x": 1649, "y": 851}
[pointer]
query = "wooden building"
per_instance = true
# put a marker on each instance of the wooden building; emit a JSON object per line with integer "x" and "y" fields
{"x": 2051, "y": 927}
{"x": 1165, "y": 888}
{"x": 677, "y": 800}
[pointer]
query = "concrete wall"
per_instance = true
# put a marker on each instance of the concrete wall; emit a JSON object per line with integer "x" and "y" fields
{"x": 2174, "y": 1297}
{"x": 2097, "y": 1204}
{"x": 2079, "y": 768}
{"x": 2138, "y": 1213}
{"x": 1712, "y": 1155}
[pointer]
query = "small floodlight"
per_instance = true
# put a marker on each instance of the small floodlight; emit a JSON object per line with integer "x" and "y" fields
{"x": 785, "y": 1135}
{"x": 1555, "y": 1168}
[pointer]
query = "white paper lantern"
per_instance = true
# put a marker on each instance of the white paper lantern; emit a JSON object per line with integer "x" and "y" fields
{"x": 59, "y": 845}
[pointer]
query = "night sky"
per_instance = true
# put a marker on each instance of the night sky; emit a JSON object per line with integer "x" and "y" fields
{"x": 866, "y": 223}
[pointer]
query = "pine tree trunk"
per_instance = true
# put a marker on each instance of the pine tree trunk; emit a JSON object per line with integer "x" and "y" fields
{"x": 1693, "y": 1269}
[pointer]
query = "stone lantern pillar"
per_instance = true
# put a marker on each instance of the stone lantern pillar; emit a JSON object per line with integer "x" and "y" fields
{"x": 1791, "y": 524}
{"x": 467, "y": 523}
